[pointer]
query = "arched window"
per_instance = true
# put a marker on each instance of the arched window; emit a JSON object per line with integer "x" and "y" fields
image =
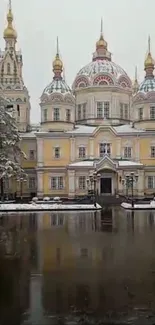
{"x": 8, "y": 68}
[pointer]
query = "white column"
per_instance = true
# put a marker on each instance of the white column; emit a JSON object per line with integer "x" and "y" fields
{"x": 40, "y": 189}
{"x": 118, "y": 148}
{"x": 141, "y": 182}
{"x": 71, "y": 183}
{"x": 40, "y": 153}
{"x": 91, "y": 148}
{"x": 137, "y": 149}
{"x": 72, "y": 143}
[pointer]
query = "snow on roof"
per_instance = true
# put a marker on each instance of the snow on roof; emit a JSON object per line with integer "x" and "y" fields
{"x": 28, "y": 135}
{"x": 90, "y": 163}
{"x": 84, "y": 163}
{"x": 123, "y": 163}
{"x": 82, "y": 129}
{"x": 127, "y": 129}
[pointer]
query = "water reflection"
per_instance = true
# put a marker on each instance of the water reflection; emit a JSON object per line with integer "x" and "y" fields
{"x": 54, "y": 263}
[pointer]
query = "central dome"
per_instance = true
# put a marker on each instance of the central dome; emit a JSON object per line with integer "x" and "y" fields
{"x": 102, "y": 71}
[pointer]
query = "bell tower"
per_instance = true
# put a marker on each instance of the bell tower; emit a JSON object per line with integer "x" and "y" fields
{"x": 11, "y": 79}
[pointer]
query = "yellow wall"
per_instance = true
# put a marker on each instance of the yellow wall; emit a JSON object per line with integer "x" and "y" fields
{"x": 48, "y": 152}
{"x": 145, "y": 152}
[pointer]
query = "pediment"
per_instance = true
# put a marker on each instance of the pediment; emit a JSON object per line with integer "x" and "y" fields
{"x": 106, "y": 163}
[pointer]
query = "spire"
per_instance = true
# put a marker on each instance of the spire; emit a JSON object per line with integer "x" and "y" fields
{"x": 101, "y": 47}
{"x": 57, "y": 64}
{"x": 9, "y": 32}
{"x": 135, "y": 83}
{"x": 149, "y": 62}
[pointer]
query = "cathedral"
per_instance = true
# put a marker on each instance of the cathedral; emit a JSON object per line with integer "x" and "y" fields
{"x": 103, "y": 125}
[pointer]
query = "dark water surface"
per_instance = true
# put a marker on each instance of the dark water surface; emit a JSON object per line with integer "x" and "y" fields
{"x": 77, "y": 268}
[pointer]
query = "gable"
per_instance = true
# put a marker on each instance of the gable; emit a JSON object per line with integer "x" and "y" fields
{"x": 106, "y": 163}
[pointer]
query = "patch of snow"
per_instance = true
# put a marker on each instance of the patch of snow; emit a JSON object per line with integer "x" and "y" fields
{"x": 123, "y": 163}
{"x": 48, "y": 207}
{"x": 128, "y": 206}
{"x": 127, "y": 129}
{"x": 28, "y": 135}
{"x": 83, "y": 129}
{"x": 84, "y": 163}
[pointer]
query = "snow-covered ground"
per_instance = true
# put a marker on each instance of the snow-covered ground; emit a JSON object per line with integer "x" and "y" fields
{"x": 128, "y": 206}
{"x": 48, "y": 207}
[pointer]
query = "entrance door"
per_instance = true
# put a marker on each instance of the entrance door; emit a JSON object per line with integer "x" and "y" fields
{"x": 106, "y": 185}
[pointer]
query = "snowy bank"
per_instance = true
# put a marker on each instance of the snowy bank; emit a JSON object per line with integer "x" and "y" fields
{"x": 128, "y": 206}
{"x": 48, "y": 207}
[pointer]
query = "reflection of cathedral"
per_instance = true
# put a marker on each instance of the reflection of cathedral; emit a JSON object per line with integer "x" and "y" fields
{"x": 104, "y": 123}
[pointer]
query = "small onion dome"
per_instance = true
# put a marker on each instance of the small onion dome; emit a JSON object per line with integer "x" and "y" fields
{"x": 57, "y": 63}
{"x": 149, "y": 62}
{"x": 9, "y": 31}
{"x": 101, "y": 43}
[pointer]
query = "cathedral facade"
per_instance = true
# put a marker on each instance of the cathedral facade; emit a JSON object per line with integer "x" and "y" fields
{"x": 103, "y": 124}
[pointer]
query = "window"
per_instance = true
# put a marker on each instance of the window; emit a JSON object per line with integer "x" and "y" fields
{"x": 32, "y": 155}
{"x": 82, "y": 152}
{"x": 18, "y": 110}
{"x": 82, "y": 182}
{"x": 79, "y": 112}
{"x": 152, "y": 113}
{"x": 57, "y": 183}
{"x": 121, "y": 110}
{"x": 106, "y": 109}
{"x": 126, "y": 111}
{"x": 56, "y": 116}
{"x": 99, "y": 110}
{"x": 56, "y": 152}
{"x": 152, "y": 151}
{"x": 104, "y": 149}
{"x": 8, "y": 68}
{"x": 68, "y": 115}
{"x": 84, "y": 110}
{"x": 151, "y": 182}
{"x": 127, "y": 152}
{"x": 140, "y": 113}
{"x": 45, "y": 114}
{"x": 32, "y": 183}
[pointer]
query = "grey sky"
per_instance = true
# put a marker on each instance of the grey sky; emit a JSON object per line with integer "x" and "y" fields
{"x": 126, "y": 25}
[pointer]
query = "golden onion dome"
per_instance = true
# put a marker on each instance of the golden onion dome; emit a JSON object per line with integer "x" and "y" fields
{"x": 57, "y": 63}
{"x": 149, "y": 62}
{"x": 9, "y": 31}
{"x": 101, "y": 43}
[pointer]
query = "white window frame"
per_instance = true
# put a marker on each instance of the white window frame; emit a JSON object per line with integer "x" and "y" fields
{"x": 32, "y": 183}
{"x": 99, "y": 110}
{"x": 152, "y": 149}
{"x": 104, "y": 149}
{"x": 56, "y": 114}
{"x": 82, "y": 182}
{"x": 106, "y": 109}
{"x": 45, "y": 114}
{"x": 151, "y": 182}
{"x": 140, "y": 113}
{"x": 82, "y": 152}
{"x": 57, "y": 152}
{"x": 68, "y": 115}
{"x": 152, "y": 113}
{"x": 57, "y": 183}
{"x": 127, "y": 152}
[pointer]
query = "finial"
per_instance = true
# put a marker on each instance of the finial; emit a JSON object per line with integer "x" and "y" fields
{"x": 101, "y": 26}
{"x": 10, "y": 5}
{"x": 57, "y": 63}
{"x": 149, "y": 44}
{"x": 135, "y": 72}
{"x": 57, "y": 46}
{"x": 135, "y": 83}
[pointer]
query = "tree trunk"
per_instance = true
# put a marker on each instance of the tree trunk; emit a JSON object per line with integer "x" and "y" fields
{"x": 2, "y": 189}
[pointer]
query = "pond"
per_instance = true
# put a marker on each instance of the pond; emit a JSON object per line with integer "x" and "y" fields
{"x": 77, "y": 268}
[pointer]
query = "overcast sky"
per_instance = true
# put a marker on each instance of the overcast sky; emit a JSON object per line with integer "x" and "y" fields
{"x": 126, "y": 25}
